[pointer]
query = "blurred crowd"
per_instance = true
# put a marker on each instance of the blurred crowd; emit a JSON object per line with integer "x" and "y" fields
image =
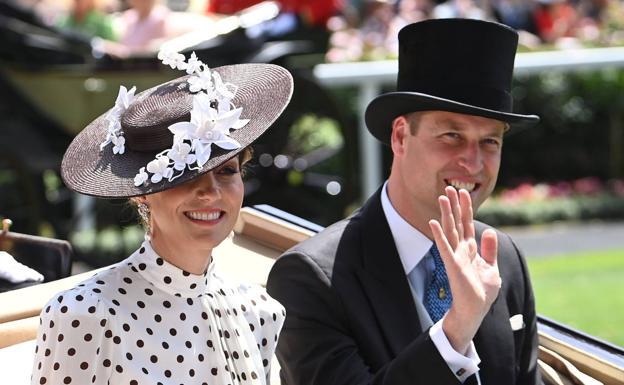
{"x": 368, "y": 31}
{"x": 134, "y": 27}
{"x": 353, "y": 29}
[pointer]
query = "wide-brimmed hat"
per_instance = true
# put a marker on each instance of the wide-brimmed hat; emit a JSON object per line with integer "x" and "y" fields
{"x": 457, "y": 65}
{"x": 176, "y": 131}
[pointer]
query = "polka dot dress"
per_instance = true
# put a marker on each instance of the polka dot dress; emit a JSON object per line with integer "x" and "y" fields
{"x": 145, "y": 321}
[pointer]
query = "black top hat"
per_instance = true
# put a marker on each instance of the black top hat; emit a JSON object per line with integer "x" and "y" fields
{"x": 456, "y": 65}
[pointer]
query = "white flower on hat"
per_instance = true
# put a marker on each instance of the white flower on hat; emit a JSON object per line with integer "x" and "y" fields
{"x": 173, "y": 59}
{"x": 202, "y": 152}
{"x": 213, "y": 116}
{"x": 223, "y": 90}
{"x": 119, "y": 144}
{"x": 181, "y": 156}
{"x": 114, "y": 134}
{"x": 201, "y": 81}
{"x": 193, "y": 65}
{"x": 141, "y": 177}
{"x": 160, "y": 169}
{"x": 208, "y": 126}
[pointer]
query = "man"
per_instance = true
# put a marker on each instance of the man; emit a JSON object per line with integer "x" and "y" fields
{"x": 371, "y": 300}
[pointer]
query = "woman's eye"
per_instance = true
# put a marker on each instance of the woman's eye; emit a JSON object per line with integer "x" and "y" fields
{"x": 229, "y": 170}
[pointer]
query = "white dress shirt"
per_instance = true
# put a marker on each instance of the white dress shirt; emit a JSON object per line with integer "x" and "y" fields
{"x": 413, "y": 246}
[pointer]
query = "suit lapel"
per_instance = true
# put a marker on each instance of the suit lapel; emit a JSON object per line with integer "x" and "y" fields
{"x": 383, "y": 279}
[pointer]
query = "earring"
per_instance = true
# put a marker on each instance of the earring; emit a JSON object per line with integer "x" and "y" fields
{"x": 144, "y": 213}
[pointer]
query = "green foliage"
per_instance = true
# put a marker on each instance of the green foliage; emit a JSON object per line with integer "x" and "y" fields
{"x": 108, "y": 245}
{"x": 311, "y": 132}
{"x": 582, "y": 290}
{"x": 581, "y": 132}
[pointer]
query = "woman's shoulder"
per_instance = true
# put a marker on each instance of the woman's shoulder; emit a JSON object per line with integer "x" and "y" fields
{"x": 89, "y": 298}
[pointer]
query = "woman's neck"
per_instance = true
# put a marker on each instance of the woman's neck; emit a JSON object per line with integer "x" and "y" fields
{"x": 192, "y": 260}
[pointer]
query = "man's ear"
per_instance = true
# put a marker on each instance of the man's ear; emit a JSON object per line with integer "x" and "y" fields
{"x": 400, "y": 132}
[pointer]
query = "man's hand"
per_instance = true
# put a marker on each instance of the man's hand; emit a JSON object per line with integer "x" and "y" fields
{"x": 474, "y": 278}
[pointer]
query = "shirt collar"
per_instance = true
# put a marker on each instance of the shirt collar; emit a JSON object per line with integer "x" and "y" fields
{"x": 166, "y": 276}
{"x": 411, "y": 244}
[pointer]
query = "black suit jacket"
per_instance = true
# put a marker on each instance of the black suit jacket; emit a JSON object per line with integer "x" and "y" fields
{"x": 351, "y": 317}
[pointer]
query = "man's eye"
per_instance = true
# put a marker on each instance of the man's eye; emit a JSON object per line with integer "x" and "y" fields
{"x": 492, "y": 142}
{"x": 451, "y": 135}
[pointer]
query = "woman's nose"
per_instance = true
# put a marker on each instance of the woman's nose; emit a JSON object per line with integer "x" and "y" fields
{"x": 207, "y": 186}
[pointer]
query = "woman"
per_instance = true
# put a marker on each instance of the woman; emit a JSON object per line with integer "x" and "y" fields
{"x": 164, "y": 315}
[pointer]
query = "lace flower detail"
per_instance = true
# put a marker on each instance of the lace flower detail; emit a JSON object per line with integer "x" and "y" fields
{"x": 141, "y": 177}
{"x": 200, "y": 82}
{"x": 193, "y": 65}
{"x": 174, "y": 60}
{"x": 159, "y": 168}
{"x": 115, "y": 134}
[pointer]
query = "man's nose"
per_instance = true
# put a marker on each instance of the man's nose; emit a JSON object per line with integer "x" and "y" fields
{"x": 471, "y": 158}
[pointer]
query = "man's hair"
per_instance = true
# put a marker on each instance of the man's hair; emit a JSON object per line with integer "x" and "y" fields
{"x": 413, "y": 119}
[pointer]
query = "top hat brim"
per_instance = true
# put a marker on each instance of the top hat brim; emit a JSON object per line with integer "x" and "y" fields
{"x": 264, "y": 91}
{"x": 382, "y": 110}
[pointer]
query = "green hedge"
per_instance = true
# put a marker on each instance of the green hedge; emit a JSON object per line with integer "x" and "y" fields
{"x": 498, "y": 212}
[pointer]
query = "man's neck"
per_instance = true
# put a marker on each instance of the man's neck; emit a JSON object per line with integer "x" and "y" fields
{"x": 413, "y": 213}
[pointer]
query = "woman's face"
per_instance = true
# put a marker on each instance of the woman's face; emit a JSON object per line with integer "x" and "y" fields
{"x": 196, "y": 216}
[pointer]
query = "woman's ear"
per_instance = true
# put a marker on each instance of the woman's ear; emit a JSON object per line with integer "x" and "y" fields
{"x": 139, "y": 199}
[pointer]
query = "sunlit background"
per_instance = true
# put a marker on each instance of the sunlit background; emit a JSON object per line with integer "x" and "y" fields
{"x": 561, "y": 188}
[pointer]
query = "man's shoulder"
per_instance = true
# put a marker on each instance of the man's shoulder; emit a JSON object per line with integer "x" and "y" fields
{"x": 505, "y": 241}
{"x": 321, "y": 251}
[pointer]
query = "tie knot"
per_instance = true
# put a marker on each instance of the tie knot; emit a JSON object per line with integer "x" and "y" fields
{"x": 437, "y": 259}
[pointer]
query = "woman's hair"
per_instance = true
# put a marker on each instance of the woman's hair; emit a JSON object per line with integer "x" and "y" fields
{"x": 243, "y": 159}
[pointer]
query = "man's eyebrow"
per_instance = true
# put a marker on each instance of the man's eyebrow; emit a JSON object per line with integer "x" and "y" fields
{"x": 446, "y": 123}
{"x": 449, "y": 124}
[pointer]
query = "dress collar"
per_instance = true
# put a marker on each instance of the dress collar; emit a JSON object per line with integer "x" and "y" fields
{"x": 411, "y": 244}
{"x": 166, "y": 276}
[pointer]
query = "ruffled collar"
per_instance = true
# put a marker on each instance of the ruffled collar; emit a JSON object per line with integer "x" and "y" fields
{"x": 167, "y": 277}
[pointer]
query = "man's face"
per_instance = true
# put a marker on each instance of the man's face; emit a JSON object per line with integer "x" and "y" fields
{"x": 442, "y": 149}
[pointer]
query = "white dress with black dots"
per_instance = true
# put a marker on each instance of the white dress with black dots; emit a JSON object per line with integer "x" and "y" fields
{"x": 145, "y": 321}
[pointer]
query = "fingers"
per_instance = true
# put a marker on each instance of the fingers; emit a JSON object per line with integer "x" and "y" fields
{"x": 448, "y": 221}
{"x": 451, "y": 193}
{"x": 440, "y": 238}
{"x": 489, "y": 247}
{"x": 465, "y": 203}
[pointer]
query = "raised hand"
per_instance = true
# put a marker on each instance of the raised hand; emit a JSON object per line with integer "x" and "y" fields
{"x": 473, "y": 277}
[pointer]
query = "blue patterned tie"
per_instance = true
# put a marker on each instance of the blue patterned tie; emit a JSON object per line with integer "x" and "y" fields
{"x": 438, "y": 296}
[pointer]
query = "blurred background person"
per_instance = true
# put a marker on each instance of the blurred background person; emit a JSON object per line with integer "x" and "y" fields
{"x": 555, "y": 20}
{"x": 143, "y": 26}
{"x": 466, "y": 9}
{"x": 87, "y": 17}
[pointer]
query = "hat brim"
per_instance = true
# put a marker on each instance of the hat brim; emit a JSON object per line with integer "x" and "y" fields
{"x": 264, "y": 91}
{"x": 382, "y": 110}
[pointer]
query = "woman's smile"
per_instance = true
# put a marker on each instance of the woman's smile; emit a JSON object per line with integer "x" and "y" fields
{"x": 205, "y": 216}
